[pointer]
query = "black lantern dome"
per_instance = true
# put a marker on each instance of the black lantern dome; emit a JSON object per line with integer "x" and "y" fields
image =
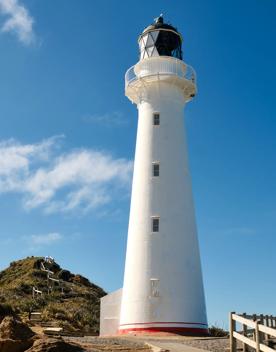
{"x": 160, "y": 39}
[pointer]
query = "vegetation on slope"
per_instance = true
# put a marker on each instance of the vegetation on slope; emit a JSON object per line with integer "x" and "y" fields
{"x": 77, "y": 307}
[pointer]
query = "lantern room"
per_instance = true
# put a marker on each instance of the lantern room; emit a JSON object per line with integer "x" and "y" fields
{"x": 160, "y": 39}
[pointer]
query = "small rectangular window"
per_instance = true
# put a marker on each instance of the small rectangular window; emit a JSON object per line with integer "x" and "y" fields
{"x": 155, "y": 169}
{"x": 156, "y": 119}
{"x": 154, "y": 288}
{"x": 155, "y": 224}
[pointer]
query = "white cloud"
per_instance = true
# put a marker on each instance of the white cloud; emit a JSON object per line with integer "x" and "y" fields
{"x": 61, "y": 182}
{"x": 18, "y": 20}
{"x": 46, "y": 239}
{"x": 15, "y": 160}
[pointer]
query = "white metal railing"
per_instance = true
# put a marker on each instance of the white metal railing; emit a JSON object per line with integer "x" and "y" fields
{"x": 130, "y": 76}
{"x": 258, "y": 332}
{"x": 158, "y": 66}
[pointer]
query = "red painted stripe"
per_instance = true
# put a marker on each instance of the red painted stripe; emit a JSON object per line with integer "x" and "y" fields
{"x": 164, "y": 322}
{"x": 169, "y": 329}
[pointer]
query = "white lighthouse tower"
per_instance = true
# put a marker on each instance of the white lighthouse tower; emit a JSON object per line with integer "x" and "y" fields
{"x": 163, "y": 289}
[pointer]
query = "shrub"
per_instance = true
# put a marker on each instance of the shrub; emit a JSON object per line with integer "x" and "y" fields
{"x": 5, "y": 309}
{"x": 215, "y": 331}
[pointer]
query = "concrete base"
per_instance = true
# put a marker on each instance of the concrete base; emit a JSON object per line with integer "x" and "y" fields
{"x": 110, "y": 321}
{"x": 110, "y": 313}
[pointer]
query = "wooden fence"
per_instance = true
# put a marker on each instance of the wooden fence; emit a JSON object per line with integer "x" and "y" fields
{"x": 257, "y": 332}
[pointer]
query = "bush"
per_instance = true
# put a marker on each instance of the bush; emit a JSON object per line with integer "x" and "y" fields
{"x": 215, "y": 331}
{"x": 6, "y": 309}
{"x": 65, "y": 275}
{"x": 25, "y": 288}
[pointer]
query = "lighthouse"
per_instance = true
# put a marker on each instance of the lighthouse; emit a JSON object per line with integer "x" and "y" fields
{"x": 163, "y": 287}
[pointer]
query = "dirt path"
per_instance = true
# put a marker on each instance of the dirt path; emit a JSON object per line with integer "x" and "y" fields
{"x": 209, "y": 344}
{"x": 169, "y": 343}
{"x": 96, "y": 344}
{"x": 176, "y": 347}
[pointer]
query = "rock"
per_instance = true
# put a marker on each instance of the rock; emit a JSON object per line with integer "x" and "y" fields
{"x": 5, "y": 310}
{"x": 8, "y": 345}
{"x": 15, "y": 336}
{"x": 53, "y": 345}
{"x": 14, "y": 329}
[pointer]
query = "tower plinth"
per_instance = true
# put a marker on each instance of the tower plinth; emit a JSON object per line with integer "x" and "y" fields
{"x": 163, "y": 288}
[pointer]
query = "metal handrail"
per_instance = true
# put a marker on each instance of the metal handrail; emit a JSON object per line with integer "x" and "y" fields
{"x": 165, "y": 68}
{"x": 130, "y": 76}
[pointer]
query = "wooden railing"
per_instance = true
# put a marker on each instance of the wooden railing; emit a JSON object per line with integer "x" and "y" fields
{"x": 257, "y": 332}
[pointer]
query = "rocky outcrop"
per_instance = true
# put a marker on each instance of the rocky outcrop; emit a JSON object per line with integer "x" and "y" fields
{"x": 14, "y": 329}
{"x": 5, "y": 310}
{"x": 8, "y": 345}
{"x": 53, "y": 345}
{"x": 15, "y": 336}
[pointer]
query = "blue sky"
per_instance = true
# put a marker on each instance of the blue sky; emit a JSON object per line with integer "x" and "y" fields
{"x": 67, "y": 138}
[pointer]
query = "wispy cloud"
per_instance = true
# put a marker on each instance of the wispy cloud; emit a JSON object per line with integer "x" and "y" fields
{"x": 17, "y": 20}
{"x": 59, "y": 181}
{"x": 40, "y": 241}
{"x": 46, "y": 239}
{"x": 115, "y": 118}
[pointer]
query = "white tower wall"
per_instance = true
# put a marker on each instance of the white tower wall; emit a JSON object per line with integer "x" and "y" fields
{"x": 163, "y": 289}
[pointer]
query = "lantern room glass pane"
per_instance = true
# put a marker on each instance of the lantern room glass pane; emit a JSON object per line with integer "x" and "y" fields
{"x": 150, "y": 41}
{"x": 155, "y": 52}
{"x": 141, "y": 44}
{"x": 154, "y": 35}
{"x": 150, "y": 50}
{"x": 145, "y": 38}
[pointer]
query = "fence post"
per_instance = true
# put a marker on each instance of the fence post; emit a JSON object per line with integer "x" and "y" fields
{"x": 267, "y": 324}
{"x": 232, "y": 328}
{"x": 266, "y": 320}
{"x": 254, "y": 317}
{"x": 263, "y": 335}
{"x": 257, "y": 336}
{"x": 244, "y": 327}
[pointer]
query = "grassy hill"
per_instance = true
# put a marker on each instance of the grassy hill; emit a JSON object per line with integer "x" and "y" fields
{"x": 73, "y": 302}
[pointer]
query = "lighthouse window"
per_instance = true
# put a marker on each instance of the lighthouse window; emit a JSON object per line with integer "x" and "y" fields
{"x": 155, "y": 224}
{"x": 154, "y": 288}
{"x": 156, "y": 119}
{"x": 155, "y": 169}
